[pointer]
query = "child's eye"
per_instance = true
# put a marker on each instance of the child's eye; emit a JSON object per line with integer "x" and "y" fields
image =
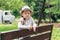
{"x": 28, "y": 13}
{"x": 25, "y": 13}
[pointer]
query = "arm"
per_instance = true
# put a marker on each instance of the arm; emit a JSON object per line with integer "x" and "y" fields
{"x": 33, "y": 23}
{"x": 20, "y": 26}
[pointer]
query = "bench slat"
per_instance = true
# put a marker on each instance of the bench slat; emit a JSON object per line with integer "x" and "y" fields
{"x": 24, "y": 32}
{"x": 40, "y": 37}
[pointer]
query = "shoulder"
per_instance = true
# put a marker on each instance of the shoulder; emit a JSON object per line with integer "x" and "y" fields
{"x": 21, "y": 19}
{"x": 31, "y": 18}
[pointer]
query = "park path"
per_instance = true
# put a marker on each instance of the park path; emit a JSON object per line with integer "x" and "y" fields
{"x": 54, "y": 24}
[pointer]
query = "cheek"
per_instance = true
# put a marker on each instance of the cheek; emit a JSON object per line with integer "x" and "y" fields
{"x": 24, "y": 15}
{"x": 29, "y": 14}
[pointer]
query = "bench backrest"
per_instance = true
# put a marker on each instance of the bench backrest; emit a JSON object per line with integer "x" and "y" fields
{"x": 42, "y": 33}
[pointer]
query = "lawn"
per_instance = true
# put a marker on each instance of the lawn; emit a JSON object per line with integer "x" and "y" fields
{"x": 7, "y": 27}
{"x": 56, "y": 34}
{"x": 13, "y": 26}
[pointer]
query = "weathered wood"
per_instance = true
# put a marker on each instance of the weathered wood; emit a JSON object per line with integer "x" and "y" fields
{"x": 0, "y": 36}
{"x": 21, "y": 33}
{"x": 40, "y": 37}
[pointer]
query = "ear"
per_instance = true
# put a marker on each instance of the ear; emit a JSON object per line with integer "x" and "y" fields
{"x": 20, "y": 12}
{"x": 31, "y": 12}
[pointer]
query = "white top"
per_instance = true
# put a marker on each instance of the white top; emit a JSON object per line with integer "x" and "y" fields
{"x": 27, "y": 24}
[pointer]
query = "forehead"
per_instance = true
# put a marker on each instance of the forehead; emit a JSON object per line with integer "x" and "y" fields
{"x": 26, "y": 11}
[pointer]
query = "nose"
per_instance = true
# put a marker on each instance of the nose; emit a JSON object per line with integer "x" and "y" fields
{"x": 27, "y": 14}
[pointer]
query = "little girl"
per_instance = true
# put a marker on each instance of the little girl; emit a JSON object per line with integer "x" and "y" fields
{"x": 26, "y": 21}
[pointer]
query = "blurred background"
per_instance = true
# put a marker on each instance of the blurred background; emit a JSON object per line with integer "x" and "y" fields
{"x": 49, "y": 10}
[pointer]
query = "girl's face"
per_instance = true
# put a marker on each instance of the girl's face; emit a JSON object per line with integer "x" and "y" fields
{"x": 26, "y": 14}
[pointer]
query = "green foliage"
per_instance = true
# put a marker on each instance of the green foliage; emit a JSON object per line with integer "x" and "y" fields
{"x": 13, "y": 5}
{"x": 55, "y": 9}
{"x": 16, "y": 5}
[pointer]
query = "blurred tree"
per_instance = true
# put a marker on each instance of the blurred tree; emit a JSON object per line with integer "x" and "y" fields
{"x": 13, "y": 5}
{"x": 16, "y": 5}
{"x": 55, "y": 9}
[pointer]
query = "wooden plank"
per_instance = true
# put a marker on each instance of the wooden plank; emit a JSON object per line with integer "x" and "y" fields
{"x": 8, "y": 36}
{"x": 0, "y": 36}
{"x": 44, "y": 28}
{"x": 24, "y": 32}
{"x": 51, "y": 32}
{"x": 39, "y": 37}
{"x": 27, "y": 32}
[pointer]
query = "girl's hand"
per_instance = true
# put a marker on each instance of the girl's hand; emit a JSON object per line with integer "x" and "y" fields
{"x": 31, "y": 27}
{"x": 34, "y": 29}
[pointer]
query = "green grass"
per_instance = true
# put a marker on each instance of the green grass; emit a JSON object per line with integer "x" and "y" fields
{"x": 56, "y": 34}
{"x": 13, "y": 26}
{"x": 7, "y": 27}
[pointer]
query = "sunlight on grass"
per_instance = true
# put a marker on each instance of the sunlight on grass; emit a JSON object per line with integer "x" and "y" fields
{"x": 7, "y": 27}
{"x": 56, "y": 34}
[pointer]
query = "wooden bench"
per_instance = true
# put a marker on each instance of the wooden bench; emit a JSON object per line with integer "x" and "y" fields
{"x": 43, "y": 33}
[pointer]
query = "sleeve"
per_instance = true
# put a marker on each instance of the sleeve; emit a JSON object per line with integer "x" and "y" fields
{"x": 20, "y": 26}
{"x": 33, "y": 23}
